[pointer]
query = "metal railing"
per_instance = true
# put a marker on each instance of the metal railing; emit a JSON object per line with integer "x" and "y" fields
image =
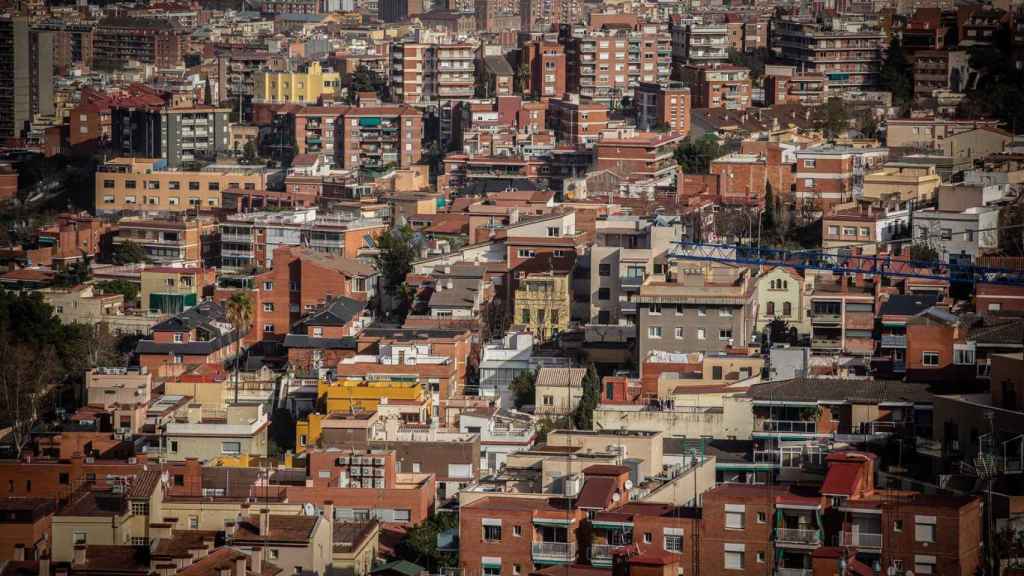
{"x": 793, "y": 572}
{"x": 797, "y": 536}
{"x": 894, "y": 341}
{"x": 556, "y": 551}
{"x": 801, "y": 426}
{"x": 603, "y": 552}
{"x": 862, "y": 539}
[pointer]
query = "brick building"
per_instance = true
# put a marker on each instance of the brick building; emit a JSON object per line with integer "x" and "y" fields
{"x": 376, "y": 138}
{"x": 545, "y": 59}
{"x": 719, "y": 86}
{"x": 118, "y": 40}
{"x": 644, "y": 155}
{"x": 661, "y": 106}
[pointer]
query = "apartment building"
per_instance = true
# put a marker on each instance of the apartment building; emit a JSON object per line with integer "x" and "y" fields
{"x": 830, "y": 175}
{"x": 199, "y": 335}
{"x": 187, "y": 241}
{"x": 410, "y": 72}
{"x": 379, "y": 138}
{"x": 248, "y": 241}
{"x": 706, "y": 43}
{"x": 546, "y": 61}
{"x": 643, "y": 155}
{"x": 576, "y": 122}
{"x": 171, "y": 290}
{"x": 27, "y": 62}
{"x": 958, "y": 236}
{"x": 543, "y": 299}
{"x": 696, "y": 310}
{"x": 548, "y": 15}
{"x": 210, "y": 434}
{"x": 314, "y": 129}
{"x": 662, "y": 107}
{"x": 301, "y": 280}
{"x": 929, "y": 133}
{"x": 719, "y": 86}
{"x": 842, "y": 315}
{"x": 940, "y": 70}
{"x": 780, "y": 296}
{"x": 847, "y": 53}
{"x": 83, "y": 304}
{"x": 901, "y": 182}
{"x": 151, "y": 187}
{"x": 120, "y": 40}
{"x": 312, "y": 85}
{"x": 607, "y": 65}
{"x": 784, "y": 85}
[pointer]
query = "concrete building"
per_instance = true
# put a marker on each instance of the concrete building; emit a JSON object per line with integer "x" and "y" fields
{"x": 958, "y": 236}
{"x": 901, "y": 182}
{"x": 929, "y": 133}
{"x": 830, "y": 175}
{"x": 784, "y": 85}
{"x": 696, "y": 310}
{"x": 558, "y": 391}
{"x": 719, "y": 86}
{"x": 310, "y": 86}
{"x": 780, "y": 295}
{"x": 605, "y": 66}
{"x": 842, "y": 315}
{"x": 211, "y": 434}
{"x": 848, "y": 53}
{"x": 542, "y": 302}
{"x": 546, "y": 15}
{"x": 662, "y": 107}
{"x": 27, "y": 62}
{"x": 120, "y": 40}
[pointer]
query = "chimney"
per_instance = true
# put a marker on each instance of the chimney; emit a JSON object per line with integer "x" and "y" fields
{"x": 256, "y": 560}
{"x": 329, "y": 511}
{"x": 19, "y": 552}
{"x": 240, "y": 566}
{"x": 79, "y": 557}
{"x": 264, "y": 522}
{"x": 44, "y": 564}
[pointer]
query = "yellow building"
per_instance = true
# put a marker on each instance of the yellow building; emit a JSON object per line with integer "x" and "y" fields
{"x": 298, "y": 87}
{"x": 172, "y": 290}
{"x": 542, "y": 303}
{"x": 902, "y": 181}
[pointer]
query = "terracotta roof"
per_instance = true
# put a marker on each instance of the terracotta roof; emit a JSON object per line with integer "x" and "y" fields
{"x": 561, "y": 377}
{"x": 144, "y": 484}
{"x": 596, "y": 493}
{"x": 841, "y": 479}
{"x": 290, "y": 529}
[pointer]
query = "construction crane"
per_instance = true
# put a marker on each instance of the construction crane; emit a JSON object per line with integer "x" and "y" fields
{"x": 841, "y": 263}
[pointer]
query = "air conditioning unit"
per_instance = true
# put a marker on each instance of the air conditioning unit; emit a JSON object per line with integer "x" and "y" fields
{"x": 343, "y": 461}
{"x": 378, "y": 483}
{"x": 378, "y": 461}
{"x": 355, "y": 484}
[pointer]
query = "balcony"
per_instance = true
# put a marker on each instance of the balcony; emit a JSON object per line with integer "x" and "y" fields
{"x": 601, "y": 554}
{"x": 631, "y": 282}
{"x": 862, "y": 539}
{"x": 797, "y": 536}
{"x": 826, "y": 318}
{"x": 793, "y": 572}
{"x": 554, "y": 552}
{"x": 826, "y": 344}
{"x": 628, "y": 307}
{"x": 791, "y": 426}
{"x": 894, "y": 340}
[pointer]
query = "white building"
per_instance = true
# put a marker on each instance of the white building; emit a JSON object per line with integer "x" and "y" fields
{"x": 970, "y": 233}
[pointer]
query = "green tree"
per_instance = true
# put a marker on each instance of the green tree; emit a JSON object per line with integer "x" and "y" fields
{"x": 769, "y": 216}
{"x": 249, "y": 152}
{"x": 583, "y": 416}
{"x": 239, "y": 309}
{"x": 897, "y": 75}
{"x": 831, "y": 118}
{"x": 123, "y": 287}
{"x": 78, "y": 272}
{"x": 546, "y": 425}
{"x": 1000, "y": 87}
{"x": 128, "y": 253}
{"x": 365, "y": 80}
{"x": 524, "y": 389}
{"x": 695, "y": 156}
{"x": 420, "y": 543}
{"x": 397, "y": 250}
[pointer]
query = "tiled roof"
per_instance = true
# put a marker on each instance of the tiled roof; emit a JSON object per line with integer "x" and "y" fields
{"x": 596, "y": 493}
{"x": 840, "y": 389}
{"x": 561, "y": 377}
{"x": 292, "y": 529}
{"x": 841, "y": 479}
{"x": 144, "y": 484}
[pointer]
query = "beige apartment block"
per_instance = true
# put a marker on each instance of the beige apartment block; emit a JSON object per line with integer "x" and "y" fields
{"x": 642, "y": 445}
{"x": 901, "y": 181}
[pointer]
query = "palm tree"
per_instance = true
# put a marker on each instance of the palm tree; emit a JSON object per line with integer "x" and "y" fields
{"x": 239, "y": 312}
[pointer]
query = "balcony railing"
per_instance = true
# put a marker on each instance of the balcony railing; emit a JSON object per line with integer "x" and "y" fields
{"x": 793, "y": 572}
{"x": 602, "y": 553}
{"x": 894, "y": 340}
{"x": 862, "y": 539}
{"x": 799, "y": 426}
{"x": 797, "y": 536}
{"x": 554, "y": 551}
{"x": 631, "y": 282}
{"x": 826, "y": 343}
{"x": 825, "y": 318}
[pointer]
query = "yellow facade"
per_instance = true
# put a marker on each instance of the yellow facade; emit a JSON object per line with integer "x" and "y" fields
{"x": 902, "y": 181}
{"x": 354, "y": 395}
{"x": 542, "y": 304}
{"x": 297, "y": 87}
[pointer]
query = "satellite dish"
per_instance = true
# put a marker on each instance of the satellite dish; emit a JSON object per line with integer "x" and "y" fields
{"x": 616, "y": 497}
{"x": 629, "y": 485}
{"x": 309, "y": 510}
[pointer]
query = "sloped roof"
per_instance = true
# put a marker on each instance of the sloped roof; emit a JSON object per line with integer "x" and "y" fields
{"x": 561, "y": 377}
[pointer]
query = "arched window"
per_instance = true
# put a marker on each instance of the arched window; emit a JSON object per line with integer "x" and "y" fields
{"x": 771, "y": 308}
{"x": 787, "y": 309}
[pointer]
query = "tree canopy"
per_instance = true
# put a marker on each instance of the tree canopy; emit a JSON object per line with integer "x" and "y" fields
{"x": 695, "y": 156}
{"x": 397, "y": 251}
{"x": 128, "y": 253}
{"x": 897, "y": 75}
{"x": 420, "y": 543}
{"x": 583, "y": 416}
{"x": 123, "y": 287}
{"x": 524, "y": 389}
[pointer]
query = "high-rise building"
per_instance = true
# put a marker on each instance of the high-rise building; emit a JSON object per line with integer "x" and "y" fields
{"x": 545, "y": 59}
{"x": 662, "y": 106}
{"x": 606, "y": 65}
{"x": 148, "y": 128}
{"x": 399, "y": 10}
{"x": 849, "y": 54}
{"x": 378, "y": 137}
{"x": 547, "y": 15}
{"x": 719, "y": 86}
{"x": 26, "y": 65}
{"x": 117, "y": 41}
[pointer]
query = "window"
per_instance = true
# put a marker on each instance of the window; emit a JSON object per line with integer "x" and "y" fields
{"x": 963, "y": 355}
{"x": 548, "y": 400}
{"x": 770, "y": 309}
{"x": 654, "y": 310}
{"x": 526, "y": 253}
{"x": 760, "y": 557}
{"x": 946, "y": 233}
{"x": 108, "y": 183}
{"x": 193, "y": 522}
{"x": 193, "y": 185}
{"x": 603, "y": 294}
{"x": 318, "y": 331}
{"x": 762, "y": 517}
{"x": 734, "y": 516}
{"x": 733, "y": 560}
{"x": 924, "y": 528}
{"x": 268, "y": 327}
{"x": 517, "y": 531}
{"x": 787, "y": 309}
{"x": 833, "y": 230}
{"x": 130, "y": 184}
{"x": 231, "y": 447}
{"x": 716, "y": 372}
{"x": 174, "y": 448}
{"x": 674, "y": 540}
{"x": 654, "y": 331}
{"x": 516, "y": 570}
{"x": 865, "y": 232}
{"x": 725, "y": 313}
{"x": 679, "y": 333}
{"x": 924, "y": 564}
{"x": 268, "y": 307}
{"x": 809, "y": 163}
{"x": 492, "y": 570}
{"x": 553, "y": 231}
{"x": 897, "y": 526}
{"x": 64, "y": 478}
{"x": 213, "y": 186}
{"x": 492, "y": 533}
{"x": 930, "y": 358}
{"x": 526, "y": 315}
{"x": 140, "y": 508}
{"x": 725, "y": 334}
{"x": 700, "y": 334}
{"x": 648, "y": 537}
{"x": 809, "y": 183}
{"x": 701, "y": 312}
{"x": 604, "y": 269}
{"x": 274, "y": 554}
{"x": 79, "y": 538}
{"x": 268, "y": 286}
